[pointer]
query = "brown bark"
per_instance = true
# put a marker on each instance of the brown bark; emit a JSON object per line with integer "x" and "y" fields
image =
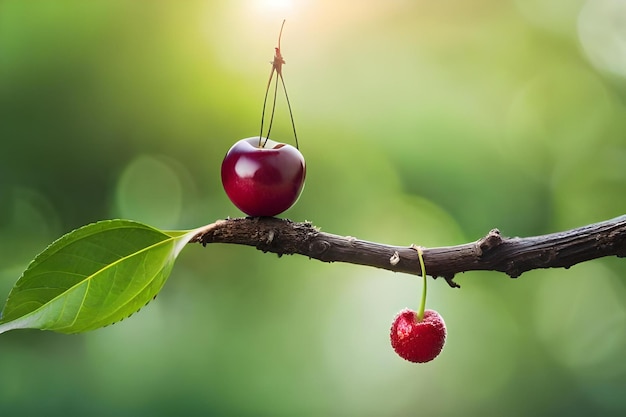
{"x": 494, "y": 252}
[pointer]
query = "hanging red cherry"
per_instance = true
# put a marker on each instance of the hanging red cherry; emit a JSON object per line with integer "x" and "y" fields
{"x": 415, "y": 340}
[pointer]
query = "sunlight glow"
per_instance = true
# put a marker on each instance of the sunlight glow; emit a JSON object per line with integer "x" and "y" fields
{"x": 275, "y": 7}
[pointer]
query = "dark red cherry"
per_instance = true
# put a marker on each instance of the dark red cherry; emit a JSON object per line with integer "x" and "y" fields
{"x": 263, "y": 178}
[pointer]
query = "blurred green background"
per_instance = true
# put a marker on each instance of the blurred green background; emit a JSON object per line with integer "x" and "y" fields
{"x": 426, "y": 122}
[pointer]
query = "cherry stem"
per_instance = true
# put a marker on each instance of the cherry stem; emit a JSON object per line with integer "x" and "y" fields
{"x": 293, "y": 124}
{"x": 269, "y": 129}
{"x": 277, "y": 64}
{"x": 267, "y": 90}
{"x": 420, "y": 313}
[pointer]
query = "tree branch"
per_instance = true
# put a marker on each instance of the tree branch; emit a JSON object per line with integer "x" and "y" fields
{"x": 513, "y": 256}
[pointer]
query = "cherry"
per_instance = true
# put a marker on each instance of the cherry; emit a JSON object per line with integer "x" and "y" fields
{"x": 418, "y": 336}
{"x": 415, "y": 340}
{"x": 263, "y": 177}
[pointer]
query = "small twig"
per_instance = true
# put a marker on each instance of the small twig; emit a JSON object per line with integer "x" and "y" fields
{"x": 513, "y": 256}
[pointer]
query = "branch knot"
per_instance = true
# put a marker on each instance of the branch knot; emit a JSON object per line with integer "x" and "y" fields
{"x": 318, "y": 247}
{"x": 489, "y": 242}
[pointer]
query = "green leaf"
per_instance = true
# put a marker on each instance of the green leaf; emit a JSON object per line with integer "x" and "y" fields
{"x": 92, "y": 277}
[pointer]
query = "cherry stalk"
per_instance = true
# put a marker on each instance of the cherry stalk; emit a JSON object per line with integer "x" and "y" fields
{"x": 277, "y": 67}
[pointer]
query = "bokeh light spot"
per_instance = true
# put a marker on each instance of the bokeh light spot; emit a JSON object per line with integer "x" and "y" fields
{"x": 149, "y": 190}
{"x": 602, "y": 33}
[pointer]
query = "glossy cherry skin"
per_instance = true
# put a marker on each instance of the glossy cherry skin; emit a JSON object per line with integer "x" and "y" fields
{"x": 263, "y": 180}
{"x": 418, "y": 341}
